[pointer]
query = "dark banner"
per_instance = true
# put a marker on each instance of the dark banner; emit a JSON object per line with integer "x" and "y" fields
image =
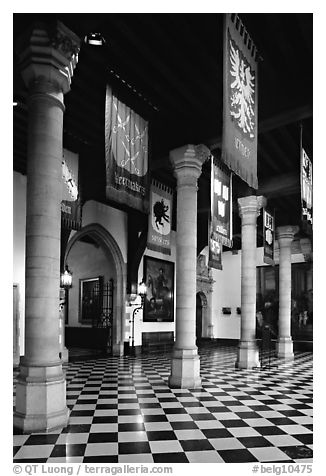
{"x": 269, "y": 237}
{"x": 221, "y": 204}
{"x": 160, "y": 216}
{"x": 71, "y": 203}
{"x": 240, "y": 98}
{"x": 126, "y": 152}
{"x": 306, "y": 187}
{"x": 215, "y": 252}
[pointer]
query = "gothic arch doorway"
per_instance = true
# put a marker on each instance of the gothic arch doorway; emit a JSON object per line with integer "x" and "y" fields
{"x": 201, "y": 306}
{"x": 101, "y": 241}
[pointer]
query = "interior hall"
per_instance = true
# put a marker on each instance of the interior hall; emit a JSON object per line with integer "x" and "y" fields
{"x": 162, "y": 238}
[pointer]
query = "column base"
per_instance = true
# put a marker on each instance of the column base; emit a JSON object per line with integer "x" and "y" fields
{"x": 40, "y": 399}
{"x": 185, "y": 369}
{"x": 284, "y": 348}
{"x": 118, "y": 349}
{"x": 248, "y": 355}
{"x": 64, "y": 355}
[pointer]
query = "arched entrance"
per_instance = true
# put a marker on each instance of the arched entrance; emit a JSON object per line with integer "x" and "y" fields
{"x": 201, "y": 308}
{"x": 95, "y": 254}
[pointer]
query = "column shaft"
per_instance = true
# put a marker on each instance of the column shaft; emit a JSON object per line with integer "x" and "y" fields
{"x": 285, "y": 235}
{"x": 47, "y": 58}
{"x": 248, "y": 355}
{"x": 185, "y": 368}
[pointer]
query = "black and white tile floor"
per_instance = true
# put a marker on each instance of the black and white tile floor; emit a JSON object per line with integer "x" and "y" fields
{"x": 122, "y": 410}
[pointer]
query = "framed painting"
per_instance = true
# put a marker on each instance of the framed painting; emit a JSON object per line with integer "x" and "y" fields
{"x": 90, "y": 299}
{"x": 159, "y": 301}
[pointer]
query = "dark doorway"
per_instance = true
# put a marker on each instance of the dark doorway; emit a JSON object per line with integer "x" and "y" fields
{"x": 199, "y": 315}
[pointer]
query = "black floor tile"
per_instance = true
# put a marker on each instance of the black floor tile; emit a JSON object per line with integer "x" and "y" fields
{"x": 46, "y": 439}
{"x": 170, "y": 458}
{"x": 305, "y": 438}
{"x": 254, "y": 442}
{"x": 217, "y": 433}
{"x": 196, "y": 445}
{"x": 161, "y": 435}
{"x": 68, "y": 450}
{"x": 104, "y": 437}
{"x": 134, "y": 447}
{"x": 184, "y": 425}
{"x": 101, "y": 459}
{"x": 237, "y": 456}
{"x": 297, "y": 452}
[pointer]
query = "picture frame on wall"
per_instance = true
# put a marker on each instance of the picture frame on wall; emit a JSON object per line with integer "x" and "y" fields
{"x": 90, "y": 299}
{"x": 159, "y": 301}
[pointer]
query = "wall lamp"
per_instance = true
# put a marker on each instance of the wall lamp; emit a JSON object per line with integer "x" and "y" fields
{"x": 66, "y": 278}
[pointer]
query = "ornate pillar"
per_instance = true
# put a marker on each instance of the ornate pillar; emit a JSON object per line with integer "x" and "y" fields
{"x": 48, "y": 55}
{"x": 187, "y": 162}
{"x": 249, "y": 210}
{"x": 285, "y": 235}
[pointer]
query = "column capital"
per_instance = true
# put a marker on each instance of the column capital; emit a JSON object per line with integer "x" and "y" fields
{"x": 250, "y": 206}
{"x": 187, "y": 161}
{"x": 48, "y": 53}
{"x": 285, "y": 234}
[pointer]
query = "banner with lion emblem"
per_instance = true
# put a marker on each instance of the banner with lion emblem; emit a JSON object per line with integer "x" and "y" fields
{"x": 160, "y": 216}
{"x": 126, "y": 153}
{"x": 240, "y": 98}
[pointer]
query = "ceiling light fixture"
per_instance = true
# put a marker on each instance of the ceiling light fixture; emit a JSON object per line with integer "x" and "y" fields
{"x": 94, "y": 39}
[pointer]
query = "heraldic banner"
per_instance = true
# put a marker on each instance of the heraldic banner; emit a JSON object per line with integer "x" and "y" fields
{"x": 306, "y": 187}
{"x": 71, "y": 203}
{"x": 160, "y": 216}
{"x": 240, "y": 98}
{"x": 269, "y": 237}
{"x": 221, "y": 203}
{"x": 126, "y": 152}
{"x": 214, "y": 250}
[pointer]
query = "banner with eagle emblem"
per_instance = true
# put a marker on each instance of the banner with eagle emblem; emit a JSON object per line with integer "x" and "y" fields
{"x": 160, "y": 217}
{"x": 240, "y": 98}
{"x": 126, "y": 152}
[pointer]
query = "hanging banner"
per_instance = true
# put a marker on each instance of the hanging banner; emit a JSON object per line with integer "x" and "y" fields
{"x": 306, "y": 187}
{"x": 221, "y": 204}
{"x": 269, "y": 237}
{"x": 160, "y": 216}
{"x": 71, "y": 202}
{"x": 215, "y": 251}
{"x": 240, "y": 98}
{"x": 126, "y": 153}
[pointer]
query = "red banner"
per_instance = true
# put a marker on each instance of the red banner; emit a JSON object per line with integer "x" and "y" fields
{"x": 240, "y": 98}
{"x": 71, "y": 203}
{"x": 126, "y": 151}
{"x": 160, "y": 217}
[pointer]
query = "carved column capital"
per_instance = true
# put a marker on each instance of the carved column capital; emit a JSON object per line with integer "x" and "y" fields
{"x": 249, "y": 208}
{"x": 48, "y": 53}
{"x": 187, "y": 162}
{"x": 285, "y": 234}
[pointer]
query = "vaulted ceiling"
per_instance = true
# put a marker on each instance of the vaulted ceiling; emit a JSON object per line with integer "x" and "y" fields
{"x": 168, "y": 67}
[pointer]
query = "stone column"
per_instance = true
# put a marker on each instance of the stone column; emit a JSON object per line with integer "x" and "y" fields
{"x": 48, "y": 55}
{"x": 249, "y": 210}
{"x": 285, "y": 235}
{"x": 187, "y": 162}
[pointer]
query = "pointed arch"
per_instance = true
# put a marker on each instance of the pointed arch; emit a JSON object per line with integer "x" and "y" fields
{"x": 110, "y": 247}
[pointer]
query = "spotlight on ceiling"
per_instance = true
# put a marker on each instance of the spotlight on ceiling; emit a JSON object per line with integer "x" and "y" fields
{"x": 94, "y": 39}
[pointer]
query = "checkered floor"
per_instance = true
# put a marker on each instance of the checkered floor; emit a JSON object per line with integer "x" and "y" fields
{"x": 122, "y": 410}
